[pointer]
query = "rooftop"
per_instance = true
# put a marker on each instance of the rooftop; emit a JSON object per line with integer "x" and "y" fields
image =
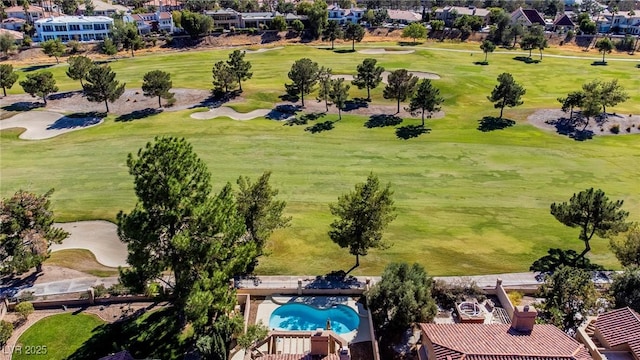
{"x": 501, "y": 342}
{"x": 74, "y": 19}
{"x": 620, "y": 327}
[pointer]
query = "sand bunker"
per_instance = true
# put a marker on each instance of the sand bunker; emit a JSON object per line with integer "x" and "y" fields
{"x": 385, "y": 75}
{"x": 385, "y": 51}
{"x": 418, "y": 74}
{"x": 230, "y": 113}
{"x": 99, "y": 237}
{"x": 46, "y": 124}
{"x": 263, "y": 50}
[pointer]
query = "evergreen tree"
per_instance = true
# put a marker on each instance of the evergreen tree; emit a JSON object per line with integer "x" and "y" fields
{"x": 400, "y": 85}
{"x": 157, "y": 83}
{"x": 102, "y": 85}
{"x": 79, "y": 67}
{"x": 426, "y": 99}
{"x": 369, "y": 76}
{"x": 39, "y": 84}
{"x": 507, "y": 93}
{"x": 53, "y": 48}
{"x": 239, "y": 67}
{"x": 7, "y": 77}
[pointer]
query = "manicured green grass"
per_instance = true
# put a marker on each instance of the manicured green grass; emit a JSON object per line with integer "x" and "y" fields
{"x": 56, "y": 337}
{"x": 468, "y": 202}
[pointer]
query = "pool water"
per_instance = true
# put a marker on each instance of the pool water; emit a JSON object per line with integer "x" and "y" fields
{"x": 305, "y": 317}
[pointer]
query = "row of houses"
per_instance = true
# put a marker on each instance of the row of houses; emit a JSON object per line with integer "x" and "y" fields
{"x": 50, "y": 23}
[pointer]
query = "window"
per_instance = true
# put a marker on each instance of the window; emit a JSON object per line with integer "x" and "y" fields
{"x": 61, "y": 27}
{"x": 64, "y": 38}
{"x": 87, "y": 27}
{"x": 99, "y": 36}
{"x": 74, "y": 27}
{"x": 47, "y": 28}
{"x": 98, "y": 27}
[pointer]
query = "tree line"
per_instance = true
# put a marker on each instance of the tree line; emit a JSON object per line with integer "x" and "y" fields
{"x": 98, "y": 82}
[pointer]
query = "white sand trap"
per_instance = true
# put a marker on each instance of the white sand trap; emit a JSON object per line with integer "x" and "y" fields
{"x": 230, "y": 113}
{"x": 99, "y": 237}
{"x": 261, "y": 50}
{"x": 418, "y": 74}
{"x": 385, "y": 51}
{"x": 46, "y": 124}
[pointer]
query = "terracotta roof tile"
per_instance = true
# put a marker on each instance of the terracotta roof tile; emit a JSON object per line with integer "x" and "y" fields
{"x": 296, "y": 357}
{"x": 500, "y": 342}
{"x": 621, "y": 326}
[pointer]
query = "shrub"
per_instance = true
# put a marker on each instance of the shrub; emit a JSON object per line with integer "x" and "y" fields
{"x": 254, "y": 333}
{"x": 6, "y": 330}
{"x": 26, "y": 296}
{"x": 515, "y": 297}
{"x": 26, "y": 41}
{"x": 570, "y": 35}
{"x": 100, "y": 291}
{"x": 615, "y": 128}
{"x": 24, "y": 309}
{"x": 153, "y": 290}
{"x": 74, "y": 47}
{"x": 447, "y": 295}
{"x": 118, "y": 290}
{"x": 628, "y": 129}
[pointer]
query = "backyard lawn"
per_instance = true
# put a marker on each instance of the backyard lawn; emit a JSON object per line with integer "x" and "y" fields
{"x": 468, "y": 202}
{"x": 56, "y": 337}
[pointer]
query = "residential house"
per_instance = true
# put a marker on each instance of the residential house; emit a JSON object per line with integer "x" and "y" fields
{"x": 343, "y": 16}
{"x": 229, "y": 18}
{"x": 14, "y": 24}
{"x": 17, "y": 36}
{"x": 32, "y": 14}
{"x": 510, "y": 334}
{"x": 563, "y": 23}
{"x": 166, "y": 5}
{"x": 613, "y": 335}
{"x": 80, "y": 28}
{"x": 403, "y": 16}
{"x": 449, "y": 14}
{"x": 153, "y": 22}
{"x": 527, "y": 17}
{"x": 225, "y": 18}
{"x": 521, "y": 340}
{"x": 101, "y": 8}
{"x": 625, "y": 23}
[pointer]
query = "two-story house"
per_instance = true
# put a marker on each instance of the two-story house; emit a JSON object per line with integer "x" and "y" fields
{"x": 344, "y": 16}
{"x": 449, "y": 14}
{"x": 79, "y": 28}
{"x": 154, "y": 22}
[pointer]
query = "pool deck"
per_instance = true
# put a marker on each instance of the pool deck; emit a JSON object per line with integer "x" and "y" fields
{"x": 359, "y": 335}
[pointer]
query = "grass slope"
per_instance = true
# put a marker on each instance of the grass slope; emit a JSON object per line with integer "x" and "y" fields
{"x": 468, "y": 202}
{"x": 61, "y": 334}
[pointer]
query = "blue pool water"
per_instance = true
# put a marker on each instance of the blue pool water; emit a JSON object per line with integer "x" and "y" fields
{"x": 309, "y": 318}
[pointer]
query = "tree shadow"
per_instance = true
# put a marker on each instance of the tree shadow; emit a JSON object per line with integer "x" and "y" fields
{"x": 638, "y": 66}
{"x": 138, "y": 114}
{"x": 154, "y": 336}
{"x": 408, "y": 43}
{"x": 335, "y": 280}
{"x": 343, "y": 51}
{"x": 269, "y": 37}
{"x": 12, "y": 285}
{"x": 283, "y": 112}
{"x": 23, "y": 106}
{"x": 217, "y": 99}
{"x": 490, "y": 123}
{"x": 382, "y": 120}
{"x": 320, "y": 127}
{"x": 305, "y": 118}
{"x": 599, "y": 63}
{"x": 355, "y": 104}
{"x": 558, "y": 257}
{"x": 411, "y": 131}
{"x": 64, "y": 95}
{"x": 482, "y": 63}
{"x": 77, "y": 120}
{"x": 569, "y": 127}
{"x": 526, "y": 59}
{"x": 36, "y": 67}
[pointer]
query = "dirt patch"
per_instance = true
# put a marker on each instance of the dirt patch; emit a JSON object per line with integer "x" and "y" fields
{"x": 558, "y": 121}
{"x": 132, "y": 104}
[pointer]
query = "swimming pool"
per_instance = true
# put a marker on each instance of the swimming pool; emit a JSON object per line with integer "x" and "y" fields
{"x": 305, "y": 317}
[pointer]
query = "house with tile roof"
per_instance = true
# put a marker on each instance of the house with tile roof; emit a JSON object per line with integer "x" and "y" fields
{"x": 613, "y": 335}
{"x": 527, "y": 17}
{"x": 15, "y": 24}
{"x": 102, "y": 8}
{"x": 520, "y": 340}
{"x": 403, "y": 16}
{"x": 344, "y": 16}
{"x": 32, "y": 14}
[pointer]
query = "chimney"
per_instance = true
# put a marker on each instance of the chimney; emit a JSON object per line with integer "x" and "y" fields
{"x": 524, "y": 317}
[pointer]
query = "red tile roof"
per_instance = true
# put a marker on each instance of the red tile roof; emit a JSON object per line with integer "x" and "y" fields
{"x": 296, "y": 357}
{"x": 619, "y": 327}
{"x": 500, "y": 342}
